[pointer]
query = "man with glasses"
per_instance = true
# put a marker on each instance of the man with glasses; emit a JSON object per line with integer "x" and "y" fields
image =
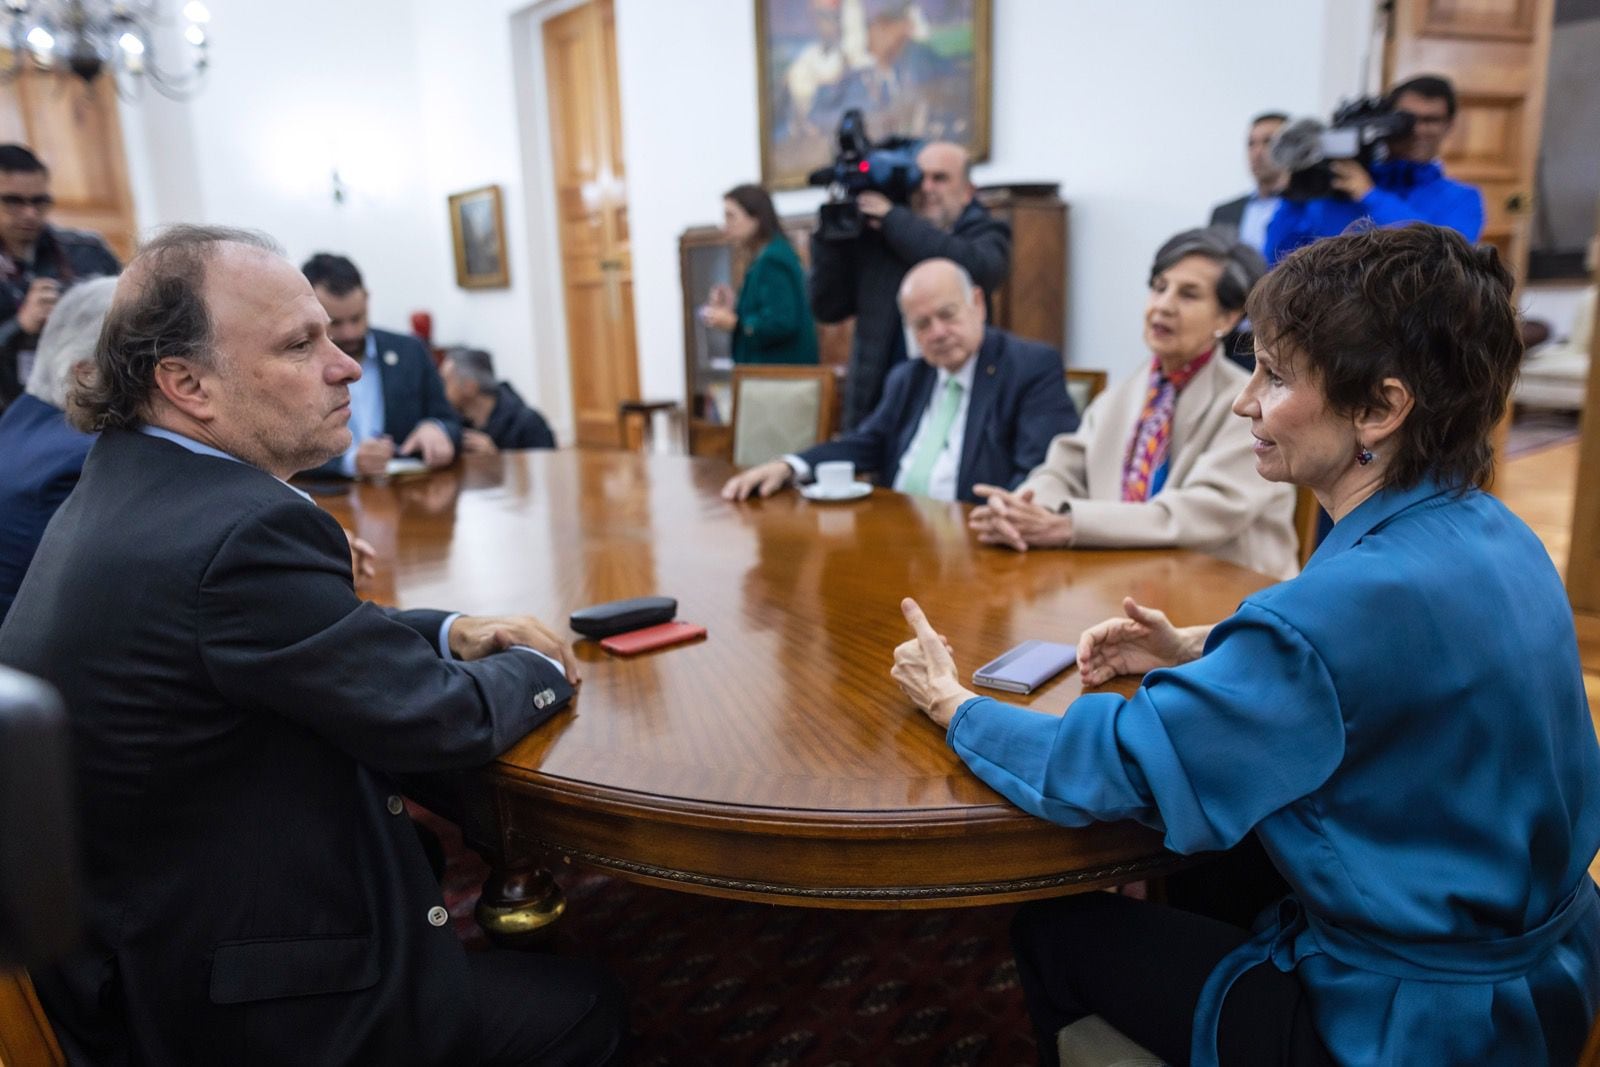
{"x": 1407, "y": 186}
{"x": 37, "y": 263}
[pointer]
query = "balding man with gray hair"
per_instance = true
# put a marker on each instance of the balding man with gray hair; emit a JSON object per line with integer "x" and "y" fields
{"x": 979, "y": 404}
{"x": 41, "y": 455}
{"x": 496, "y": 416}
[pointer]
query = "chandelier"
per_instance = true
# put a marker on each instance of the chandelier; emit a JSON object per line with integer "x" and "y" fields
{"x": 91, "y": 37}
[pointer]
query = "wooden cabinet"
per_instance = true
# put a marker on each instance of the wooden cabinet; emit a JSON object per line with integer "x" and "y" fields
{"x": 1032, "y": 303}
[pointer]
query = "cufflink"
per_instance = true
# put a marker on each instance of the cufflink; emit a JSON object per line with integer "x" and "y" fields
{"x": 390, "y": 358}
{"x": 544, "y": 699}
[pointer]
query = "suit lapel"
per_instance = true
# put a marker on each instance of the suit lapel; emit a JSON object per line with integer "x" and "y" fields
{"x": 985, "y": 387}
{"x": 393, "y": 388}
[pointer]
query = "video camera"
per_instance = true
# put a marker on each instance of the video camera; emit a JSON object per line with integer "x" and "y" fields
{"x": 889, "y": 167}
{"x": 1358, "y": 131}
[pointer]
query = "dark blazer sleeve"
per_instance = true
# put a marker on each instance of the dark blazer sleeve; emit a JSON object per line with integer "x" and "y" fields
{"x": 372, "y": 685}
{"x": 530, "y": 431}
{"x": 871, "y": 444}
{"x": 979, "y": 242}
{"x": 834, "y": 269}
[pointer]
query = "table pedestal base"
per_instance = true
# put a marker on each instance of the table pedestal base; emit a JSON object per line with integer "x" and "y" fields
{"x": 520, "y": 905}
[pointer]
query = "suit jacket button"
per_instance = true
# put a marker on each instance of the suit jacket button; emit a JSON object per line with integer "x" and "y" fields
{"x": 437, "y": 916}
{"x": 395, "y": 805}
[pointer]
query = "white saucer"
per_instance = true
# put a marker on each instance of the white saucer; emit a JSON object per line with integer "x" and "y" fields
{"x": 854, "y": 491}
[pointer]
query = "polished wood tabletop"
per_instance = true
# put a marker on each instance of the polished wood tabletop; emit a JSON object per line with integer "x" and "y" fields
{"x": 775, "y": 759}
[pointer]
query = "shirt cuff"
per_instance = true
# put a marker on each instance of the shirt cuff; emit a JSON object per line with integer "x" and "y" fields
{"x": 961, "y": 713}
{"x": 802, "y": 469}
{"x": 444, "y": 635}
{"x": 534, "y": 651}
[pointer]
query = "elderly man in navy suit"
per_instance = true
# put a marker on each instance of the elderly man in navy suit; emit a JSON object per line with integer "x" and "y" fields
{"x": 399, "y": 396}
{"x": 980, "y": 406}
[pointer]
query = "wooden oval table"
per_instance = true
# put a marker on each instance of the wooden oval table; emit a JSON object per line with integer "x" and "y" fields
{"x": 774, "y": 760}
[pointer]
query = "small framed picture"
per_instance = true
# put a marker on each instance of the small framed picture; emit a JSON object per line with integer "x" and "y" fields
{"x": 478, "y": 229}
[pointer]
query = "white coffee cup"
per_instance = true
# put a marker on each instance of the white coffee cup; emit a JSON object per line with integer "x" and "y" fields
{"x": 835, "y": 477}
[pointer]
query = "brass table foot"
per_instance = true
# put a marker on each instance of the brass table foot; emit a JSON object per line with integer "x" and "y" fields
{"x": 519, "y": 906}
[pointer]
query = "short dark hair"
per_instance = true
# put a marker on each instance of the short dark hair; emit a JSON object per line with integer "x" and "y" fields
{"x": 1416, "y": 303}
{"x": 758, "y": 205}
{"x": 1269, "y": 116}
{"x": 1431, "y": 86}
{"x": 475, "y": 365}
{"x": 164, "y": 315}
{"x": 334, "y": 273}
{"x": 18, "y": 159}
{"x": 1242, "y": 266}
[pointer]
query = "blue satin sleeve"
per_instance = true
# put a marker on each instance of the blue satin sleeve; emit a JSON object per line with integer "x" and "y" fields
{"x": 1202, "y": 752}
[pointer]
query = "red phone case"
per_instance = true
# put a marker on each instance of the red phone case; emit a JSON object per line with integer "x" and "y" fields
{"x": 667, "y": 633}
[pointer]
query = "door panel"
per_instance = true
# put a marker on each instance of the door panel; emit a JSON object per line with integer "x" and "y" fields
{"x": 591, "y": 209}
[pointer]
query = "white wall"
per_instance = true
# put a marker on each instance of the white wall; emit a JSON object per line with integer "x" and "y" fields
{"x": 1138, "y": 110}
{"x": 296, "y": 89}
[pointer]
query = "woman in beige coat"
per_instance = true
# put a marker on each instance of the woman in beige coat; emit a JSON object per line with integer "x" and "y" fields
{"x": 1160, "y": 460}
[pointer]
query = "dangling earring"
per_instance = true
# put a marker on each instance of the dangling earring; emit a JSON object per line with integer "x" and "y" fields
{"x": 1363, "y": 454}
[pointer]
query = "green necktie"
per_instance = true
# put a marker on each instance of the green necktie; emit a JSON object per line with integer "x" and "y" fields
{"x": 934, "y": 440}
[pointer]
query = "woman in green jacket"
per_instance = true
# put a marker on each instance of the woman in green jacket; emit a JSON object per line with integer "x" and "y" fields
{"x": 771, "y": 321}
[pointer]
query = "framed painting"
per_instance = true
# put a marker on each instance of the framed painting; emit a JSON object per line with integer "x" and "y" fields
{"x": 478, "y": 231}
{"x": 914, "y": 68}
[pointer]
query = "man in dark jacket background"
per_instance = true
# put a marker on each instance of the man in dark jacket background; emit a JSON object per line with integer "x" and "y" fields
{"x": 496, "y": 416}
{"x": 862, "y": 277}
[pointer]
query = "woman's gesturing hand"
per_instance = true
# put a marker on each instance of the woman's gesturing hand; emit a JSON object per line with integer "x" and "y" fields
{"x": 1142, "y": 641}
{"x": 925, "y": 669}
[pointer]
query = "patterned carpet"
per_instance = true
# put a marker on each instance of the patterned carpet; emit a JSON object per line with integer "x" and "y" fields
{"x": 716, "y": 982}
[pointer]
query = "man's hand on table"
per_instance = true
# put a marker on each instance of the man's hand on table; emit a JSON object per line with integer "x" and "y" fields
{"x": 429, "y": 442}
{"x": 764, "y": 480}
{"x": 1015, "y": 521}
{"x": 476, "y": 636}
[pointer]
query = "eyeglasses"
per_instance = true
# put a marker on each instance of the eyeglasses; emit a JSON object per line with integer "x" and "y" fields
{"x": 12, "y": 202}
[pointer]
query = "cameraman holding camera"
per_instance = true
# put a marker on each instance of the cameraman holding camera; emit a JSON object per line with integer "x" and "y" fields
{"x": 1407, "y": 186}
{"x": 861, "y": 277}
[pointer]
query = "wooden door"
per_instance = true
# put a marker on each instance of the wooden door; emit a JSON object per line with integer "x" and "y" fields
{"x": 75, "y": 129}
{"x": 592, "y": 211}
{"x": 1496, "y": 53}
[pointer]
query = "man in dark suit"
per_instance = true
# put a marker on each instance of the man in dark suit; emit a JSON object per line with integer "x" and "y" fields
{"x": 399, "y": 397}
{"x": 41, "y": 455}
{"x": 496, "y": 416}
{"x": 861, "y": 277}
{"x": 1248, "y": 216}
{"x": 980, "y": 406}
{"x": 254, "y": 892}
{"x": 38, "y": 262}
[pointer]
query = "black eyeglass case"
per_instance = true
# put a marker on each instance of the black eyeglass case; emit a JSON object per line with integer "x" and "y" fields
{"x": 621, "y": 616}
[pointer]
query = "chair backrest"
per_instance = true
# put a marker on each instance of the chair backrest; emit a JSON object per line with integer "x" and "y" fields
{"x": 1591, "y": 1050}
{"x": 1083, "y": 386}
{"x": 26, "y": 1039}
{"x": 1307, "y": 516}
{"x": 778, "y": 409}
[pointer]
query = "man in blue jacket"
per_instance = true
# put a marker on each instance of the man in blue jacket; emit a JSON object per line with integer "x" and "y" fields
{"x": 1408, "y": 186}
{"x": 399, "y": 396}
{"x": 980, "y": 406}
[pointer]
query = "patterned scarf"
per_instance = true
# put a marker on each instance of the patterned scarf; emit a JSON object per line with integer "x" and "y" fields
{"x": 1146, "y": 470}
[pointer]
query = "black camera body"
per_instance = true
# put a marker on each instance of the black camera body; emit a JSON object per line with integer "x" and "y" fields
{"x": 888, "y": 167}
{"x": 1359, "y": 130}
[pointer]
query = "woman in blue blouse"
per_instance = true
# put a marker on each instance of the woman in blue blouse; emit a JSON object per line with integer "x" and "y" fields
{"x": 771, "y": 320}
{"x": 1403, "y": 726}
